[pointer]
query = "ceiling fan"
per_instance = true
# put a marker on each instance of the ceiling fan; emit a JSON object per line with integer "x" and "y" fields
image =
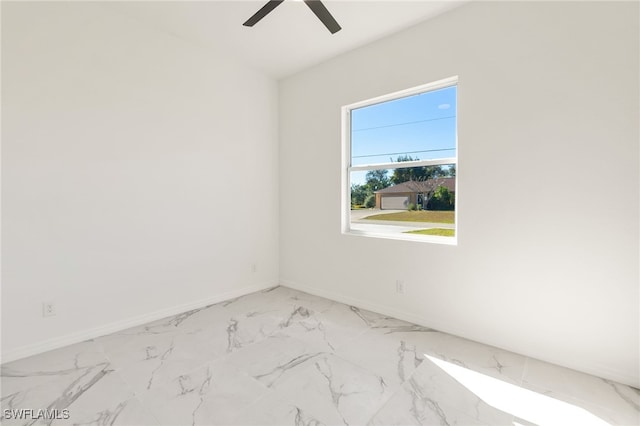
{"x": 316, "y": 7}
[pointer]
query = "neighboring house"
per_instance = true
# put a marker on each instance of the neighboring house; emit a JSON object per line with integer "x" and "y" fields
{"x": 398, "y": 197}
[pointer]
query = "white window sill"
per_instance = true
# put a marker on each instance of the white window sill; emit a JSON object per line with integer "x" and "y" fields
{"x": 397, "y": 235}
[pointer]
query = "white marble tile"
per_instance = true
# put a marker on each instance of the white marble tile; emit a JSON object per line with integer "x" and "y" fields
{"x": 276, "y": 299}
{"x": 110, "y": 401}
{"x": 130, "y": 412}
{"x": 37, "y": 370}
{"x": 433, "y": 396}
{"x": 614, "y": 402}
{"x": 410, "y": 407}
{"x": 85, "y": 384}
{"x": 314, "y": 328}
{"x": 281, "y": 356}
{"x": 273, "y": 410}
{"x": 290, "y": 313}
{"x": 36, "y": 398}
{"x": 314, "y": 303}
{"x": 190, "y": 321}
{"x": 268, "y": 359}
{"x": 145, "y": 376}
{"x": 342, "y": 392}
{"x": 81, "y": 354}
{"x": 334, "y": 325}
{"x": 393, "y": 357}
{"x": 148, "y": 358}
{"x": 135, "y": 345}
{"x": 383, "y": 323}
{"x": 210, "y": 395}
{"x": 489, "y": 360}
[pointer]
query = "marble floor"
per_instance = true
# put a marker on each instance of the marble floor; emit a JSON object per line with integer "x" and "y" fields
{"x": 283, "y": 357}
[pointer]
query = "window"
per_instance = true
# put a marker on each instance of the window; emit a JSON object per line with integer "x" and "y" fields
{"x": 400, "y": 164}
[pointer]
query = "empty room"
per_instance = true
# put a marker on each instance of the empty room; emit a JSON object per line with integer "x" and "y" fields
{"x": 309, "y": 212}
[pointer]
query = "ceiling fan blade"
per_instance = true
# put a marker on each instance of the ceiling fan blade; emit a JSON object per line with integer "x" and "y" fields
{"x": 264, "y": 11}
{"x": 323, "y": 14}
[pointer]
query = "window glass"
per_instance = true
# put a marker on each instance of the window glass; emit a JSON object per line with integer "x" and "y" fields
{"x": 402, "y": 165}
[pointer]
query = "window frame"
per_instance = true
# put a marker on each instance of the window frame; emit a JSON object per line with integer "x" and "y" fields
{"x": 347, "y": 168}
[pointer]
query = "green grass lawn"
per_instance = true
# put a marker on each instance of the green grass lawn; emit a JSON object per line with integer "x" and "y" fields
{"x": 417, "y": 216}
{"x": 441, "y": 232}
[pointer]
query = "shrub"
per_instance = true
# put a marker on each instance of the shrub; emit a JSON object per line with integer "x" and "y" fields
{"x": 442, "y": 199}
{"x": 412, "y": 207}
{"x": 370, "y": 202}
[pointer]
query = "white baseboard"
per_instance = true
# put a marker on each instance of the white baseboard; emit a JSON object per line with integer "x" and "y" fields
{"x": 602, "y": 371}
{"x": 92, "y": 333}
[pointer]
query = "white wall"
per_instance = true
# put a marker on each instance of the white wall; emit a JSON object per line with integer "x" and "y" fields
{"x": 133, "y": 166}
{"x": 547, "y": 259}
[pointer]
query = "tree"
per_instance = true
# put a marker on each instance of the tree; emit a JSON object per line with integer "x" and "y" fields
{"x": 451, "y": 171}
{"x": 364, "y": 194}
{"x": 358, "y": 194}
{"x": 377, "y": 180}
{"x": 418, "y": 174}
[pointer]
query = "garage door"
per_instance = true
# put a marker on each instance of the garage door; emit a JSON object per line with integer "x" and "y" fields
{"x": 395, "y": 203}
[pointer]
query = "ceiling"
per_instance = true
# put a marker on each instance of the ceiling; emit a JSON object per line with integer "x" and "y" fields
{"x": 291, "y": 37}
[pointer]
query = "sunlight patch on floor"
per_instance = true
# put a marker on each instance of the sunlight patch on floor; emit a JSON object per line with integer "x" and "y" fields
{"x": 525, "y": 404}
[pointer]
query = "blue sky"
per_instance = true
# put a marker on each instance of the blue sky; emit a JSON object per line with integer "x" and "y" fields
{"x": 422, "y": 126}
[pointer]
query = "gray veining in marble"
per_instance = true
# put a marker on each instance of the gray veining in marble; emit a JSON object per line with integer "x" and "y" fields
{"x": 283, "y": 357}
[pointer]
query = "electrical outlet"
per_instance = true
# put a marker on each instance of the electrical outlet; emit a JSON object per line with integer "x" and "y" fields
{"x": 48, "y": 309}
{"x": 400, "y": 286}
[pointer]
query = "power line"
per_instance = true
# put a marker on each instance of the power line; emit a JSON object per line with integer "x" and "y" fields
{"x": 404, "y": 152}
{"x": 403, "y": 124}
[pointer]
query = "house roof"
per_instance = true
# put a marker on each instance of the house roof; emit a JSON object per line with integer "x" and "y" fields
{"x": 422, "y": 186}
